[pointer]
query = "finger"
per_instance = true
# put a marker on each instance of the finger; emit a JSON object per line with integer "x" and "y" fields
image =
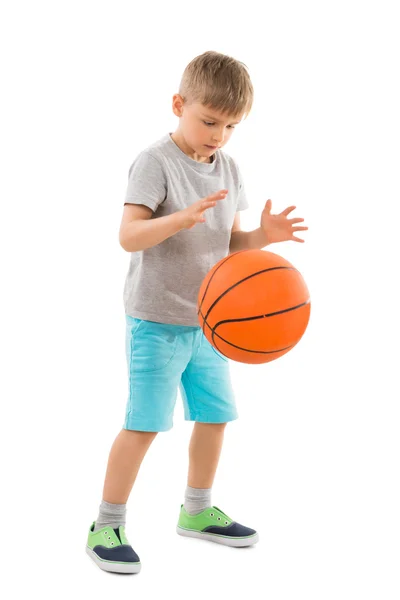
{"x": 205, "y": 205}
{"x": 296, "y": 239}
{"x": 292, "y": 221}
{"x": 219, "y": 194}
{"x": 299, "y": 228}
{"x": 287, "y": 210}
{"x": 215, "y": 198}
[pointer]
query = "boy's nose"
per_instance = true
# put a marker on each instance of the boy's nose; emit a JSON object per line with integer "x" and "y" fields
{"x": 219, "y": 140}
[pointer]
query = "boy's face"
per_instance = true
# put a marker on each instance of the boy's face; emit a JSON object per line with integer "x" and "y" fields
{"x": 201, "y": 126}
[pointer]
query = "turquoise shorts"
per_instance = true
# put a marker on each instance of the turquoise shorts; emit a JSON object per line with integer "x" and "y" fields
{"x": 163, "y": 357}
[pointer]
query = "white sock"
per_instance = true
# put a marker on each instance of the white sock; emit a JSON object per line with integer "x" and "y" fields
{"x": 110, "y": 515}
{"x": 197, "y": 500}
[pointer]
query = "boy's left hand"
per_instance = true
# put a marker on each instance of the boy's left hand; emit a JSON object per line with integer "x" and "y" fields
{"x": 278, "y": 228}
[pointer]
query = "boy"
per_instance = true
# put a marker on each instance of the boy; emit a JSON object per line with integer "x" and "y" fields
{"x": 181, "y": 216}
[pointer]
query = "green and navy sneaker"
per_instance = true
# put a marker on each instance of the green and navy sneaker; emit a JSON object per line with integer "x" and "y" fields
{"x": 214, "y": 525}
{"x": 111, "y": 551}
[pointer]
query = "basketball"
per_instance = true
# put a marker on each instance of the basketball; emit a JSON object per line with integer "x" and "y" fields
{"x": 253, "y": 306}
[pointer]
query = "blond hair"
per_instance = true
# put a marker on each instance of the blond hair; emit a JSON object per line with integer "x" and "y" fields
{"x": 219, "y": 82}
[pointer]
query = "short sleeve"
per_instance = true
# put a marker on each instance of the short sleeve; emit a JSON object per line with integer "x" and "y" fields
{"x": 147, "y": 182}
{"x": 242, "y": 202}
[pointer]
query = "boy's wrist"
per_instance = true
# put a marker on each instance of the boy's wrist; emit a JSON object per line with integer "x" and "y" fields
{"x": 183, "y": 220}
{"x": 178, "y": 219}
{"x": 261, "y": 238}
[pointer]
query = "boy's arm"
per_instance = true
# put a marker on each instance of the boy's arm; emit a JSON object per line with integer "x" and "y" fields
{"x": 246, "y": 240}
{"x": 139, "y": 231}
{"x": 274, "y": 228}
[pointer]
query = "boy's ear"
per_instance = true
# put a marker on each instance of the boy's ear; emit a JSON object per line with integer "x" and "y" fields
{"x": 177, "y": 104}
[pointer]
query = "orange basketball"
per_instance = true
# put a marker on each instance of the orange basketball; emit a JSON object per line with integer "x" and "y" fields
{"x": 253, "y": 306}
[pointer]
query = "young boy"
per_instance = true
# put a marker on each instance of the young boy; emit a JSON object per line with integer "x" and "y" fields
{"x": 181, "y": 216}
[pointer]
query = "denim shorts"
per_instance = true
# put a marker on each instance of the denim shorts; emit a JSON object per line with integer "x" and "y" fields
{"x": 162, "y": 357}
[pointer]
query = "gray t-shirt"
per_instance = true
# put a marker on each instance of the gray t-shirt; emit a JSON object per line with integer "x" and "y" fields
{"x": 163, "y": 282}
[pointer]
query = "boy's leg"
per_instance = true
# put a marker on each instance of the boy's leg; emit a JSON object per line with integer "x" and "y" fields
{"x": 198, "y": 517}
{"x": 126, "y": 456}
{"x": 107, "y": 543}
{"x": 204, "y": 453}
{"x": 156, "y": 357}
{"x": 154, "y": 353}
{"x": 209, "y": 400}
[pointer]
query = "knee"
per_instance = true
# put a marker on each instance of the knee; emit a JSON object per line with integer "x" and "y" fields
{"x": 143, "y": 436}
{"x": 147, "y": 435}
{"x": 216, "y": 426}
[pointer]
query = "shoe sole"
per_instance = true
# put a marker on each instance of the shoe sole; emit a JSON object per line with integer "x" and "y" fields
{"x": 219, "y": 539}
{"x": 113, "y": 567}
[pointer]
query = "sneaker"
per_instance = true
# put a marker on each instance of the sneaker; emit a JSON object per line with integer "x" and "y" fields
{"x": 214, "y": 525}
{"x": 111, "y": 551}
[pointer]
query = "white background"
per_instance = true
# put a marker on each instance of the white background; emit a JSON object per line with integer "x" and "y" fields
{"x": 313, "y": 461}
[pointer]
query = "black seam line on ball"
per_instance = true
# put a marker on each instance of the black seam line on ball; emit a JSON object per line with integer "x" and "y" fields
{"x": 278, "y": 312}
{"x": 273, "y": 314}
{"x": 212, "y": 276}
{"x": 241, "y": 281}
{"x": 214, "y": 333}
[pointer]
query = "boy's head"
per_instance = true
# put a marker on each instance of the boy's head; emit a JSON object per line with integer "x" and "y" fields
{"x": 214, "y": 94}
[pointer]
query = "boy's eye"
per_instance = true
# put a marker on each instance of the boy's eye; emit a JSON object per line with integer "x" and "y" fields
{"x": 205, "y": 122}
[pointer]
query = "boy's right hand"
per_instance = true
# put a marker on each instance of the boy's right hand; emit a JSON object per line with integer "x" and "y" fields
{"x": 194, "y": 214}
